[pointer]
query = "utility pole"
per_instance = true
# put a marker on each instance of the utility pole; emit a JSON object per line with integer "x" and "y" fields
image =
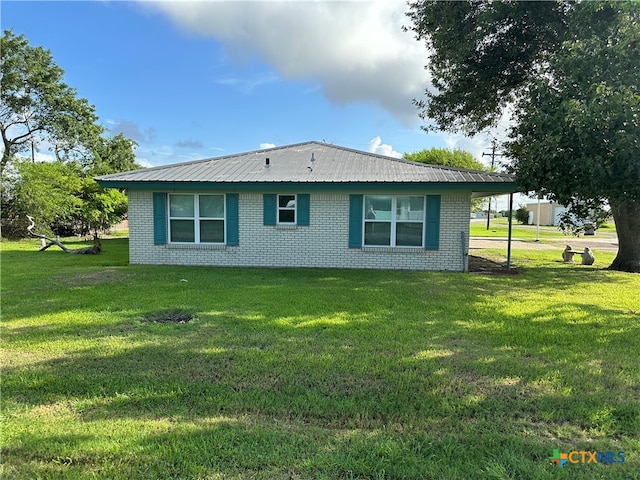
{"x": 493, "y": 156}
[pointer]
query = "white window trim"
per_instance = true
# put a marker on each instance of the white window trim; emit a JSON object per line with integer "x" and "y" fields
{"x": 289, "y": 209}
{"x": 196, "y": 218}
{"x": 393, "y": 221}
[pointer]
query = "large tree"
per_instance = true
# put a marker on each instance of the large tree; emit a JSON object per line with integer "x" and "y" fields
{"x": 37, "y": 107}
{"x": 570, "y": 74}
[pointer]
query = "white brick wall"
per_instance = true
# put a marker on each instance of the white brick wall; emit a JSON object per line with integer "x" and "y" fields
{"x": 322, "y": 244}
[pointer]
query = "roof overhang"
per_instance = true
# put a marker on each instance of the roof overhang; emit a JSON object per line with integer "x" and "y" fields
{"x": 477, "y": 190}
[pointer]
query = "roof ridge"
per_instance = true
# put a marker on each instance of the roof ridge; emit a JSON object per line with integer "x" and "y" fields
{"x": 222, "y": 168}
{"x": 209, "y": 159}
{"x": 404, "y": 160}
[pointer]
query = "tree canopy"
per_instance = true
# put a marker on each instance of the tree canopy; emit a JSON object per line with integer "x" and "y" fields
{"x": 445, "y": 157}
{"x": 39, "y": 111}
{"x": 37, "y": 107}
{"x": 450, "y": 158}
{"x": 570, "y": 74}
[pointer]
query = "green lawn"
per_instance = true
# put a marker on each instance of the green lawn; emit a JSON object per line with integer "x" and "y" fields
{"x": 311, "y": 373}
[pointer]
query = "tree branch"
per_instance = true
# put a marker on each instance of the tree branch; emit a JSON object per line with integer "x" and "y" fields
{"x": 95, "y": 249}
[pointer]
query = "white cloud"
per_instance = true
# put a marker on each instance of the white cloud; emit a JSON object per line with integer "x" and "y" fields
{"x": 247, "y": 84}
{"x": 476, "y": 145}
{"x": 376, "y": 146}
{"x": 264, "y": 146}
{"x": 38, "y": 156}
{"x": 355, "y": 51}
{"x": 143, "y": 162}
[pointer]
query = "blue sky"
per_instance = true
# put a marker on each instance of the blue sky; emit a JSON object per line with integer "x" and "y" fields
{"x": 189, "y": 80}
{"x": 197, "y": 80}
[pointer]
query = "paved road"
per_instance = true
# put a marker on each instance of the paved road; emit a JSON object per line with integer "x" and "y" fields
{"x": 605, "y": 242}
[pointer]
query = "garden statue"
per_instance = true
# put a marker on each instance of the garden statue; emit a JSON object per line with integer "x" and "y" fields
{"x": 587, "y": 257}
{"x": 567, "y": 254}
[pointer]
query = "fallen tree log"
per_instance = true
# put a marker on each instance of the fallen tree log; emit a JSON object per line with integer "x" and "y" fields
{"x": 94, "y": 249}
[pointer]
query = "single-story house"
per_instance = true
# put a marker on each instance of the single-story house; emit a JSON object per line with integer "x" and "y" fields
{"x": 305, "y": 205}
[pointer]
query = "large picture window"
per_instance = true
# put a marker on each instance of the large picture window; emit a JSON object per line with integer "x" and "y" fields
{"x": 196, "y": 218}
{"x": 394, "y": 221}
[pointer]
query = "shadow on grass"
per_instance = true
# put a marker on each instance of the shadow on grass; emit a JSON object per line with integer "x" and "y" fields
{"x": 272, "y": 450}
{"x": 361, "y": 369}
{"x": 325, "y": 372}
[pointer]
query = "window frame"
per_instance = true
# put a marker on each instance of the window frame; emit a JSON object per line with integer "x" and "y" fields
{"x": 197, "y": 218}
{"x": 393, "y": 221}
{"x": 293, "y": 209}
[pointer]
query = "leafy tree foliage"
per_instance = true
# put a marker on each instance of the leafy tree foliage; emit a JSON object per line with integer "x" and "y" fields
{"x": 113, "y": 155}
{"x": 445, "y": 157}
{"x": 102, "y": 207}
{"x": 36, "y": 106}
{"x": 62, "y": 197}
{"x": 522, "y": 215}
{"x": 38, "y": 109}
{"x": 46, "y": 191}
{"x": 570, "y": 72}
{"x": 449, "y": 158}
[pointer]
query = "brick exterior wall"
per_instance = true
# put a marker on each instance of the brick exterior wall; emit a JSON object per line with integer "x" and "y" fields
{"x": 324, "y": 243}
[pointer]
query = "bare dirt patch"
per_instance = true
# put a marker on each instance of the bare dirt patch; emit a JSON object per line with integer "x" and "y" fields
{"x": 489, "y": 266}
{"x": 109, "y": 275}
{"x": 170, "y": 316}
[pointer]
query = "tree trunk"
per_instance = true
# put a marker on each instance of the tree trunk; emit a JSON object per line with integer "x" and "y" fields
{"x": 626, "y": 214}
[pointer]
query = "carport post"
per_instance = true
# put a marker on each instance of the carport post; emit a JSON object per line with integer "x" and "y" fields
{"x": 509, "y": 234}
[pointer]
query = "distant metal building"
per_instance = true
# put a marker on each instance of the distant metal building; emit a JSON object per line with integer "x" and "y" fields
{"x": 550, "y": 213}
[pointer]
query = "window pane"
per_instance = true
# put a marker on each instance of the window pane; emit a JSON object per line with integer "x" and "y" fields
{"x": 409, "y": 234}
{"x": 212, "y": 231}
{"x": 377, "y": 207}
{"x": 286, "y": 216}
{"x": 287, "y": 201}
{"x": 211, "y": 206}
{"x": 181, "y": 205}
{"x": 182, "y": 231}
{"x": 410, "y": 208}
{"x": 377, "y": 233}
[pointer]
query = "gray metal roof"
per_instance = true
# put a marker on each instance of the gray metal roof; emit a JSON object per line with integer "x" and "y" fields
{"x": 293, "y": 164}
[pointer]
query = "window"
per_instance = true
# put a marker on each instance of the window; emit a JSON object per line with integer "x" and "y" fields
{"x": 286, "y": 209}
{"x": 196, "y": 218}
{"x": 394, "y": 221}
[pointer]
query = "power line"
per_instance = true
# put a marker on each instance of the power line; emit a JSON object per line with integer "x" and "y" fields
{"x": 493, "y": 156}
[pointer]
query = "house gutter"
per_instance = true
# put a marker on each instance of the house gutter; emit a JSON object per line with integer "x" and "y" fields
{"x": 408, "y": 187}
{"x": 465, "y": 252}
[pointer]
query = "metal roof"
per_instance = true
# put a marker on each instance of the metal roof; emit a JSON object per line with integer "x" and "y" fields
{"x": 294, "y": 164}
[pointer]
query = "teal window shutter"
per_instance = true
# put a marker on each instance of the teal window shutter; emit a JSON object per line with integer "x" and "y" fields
{"x": 270, "y": 209}
{"x": 232, "y": 220}
{"x": 159, "y": 218}
{"x": 302, "y": 209}
{"x": 355, "y": 221}
{"x": 432, "y": 225}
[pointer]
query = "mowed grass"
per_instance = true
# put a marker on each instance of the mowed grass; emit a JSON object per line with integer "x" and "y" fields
{"x": 311, "y": 373}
